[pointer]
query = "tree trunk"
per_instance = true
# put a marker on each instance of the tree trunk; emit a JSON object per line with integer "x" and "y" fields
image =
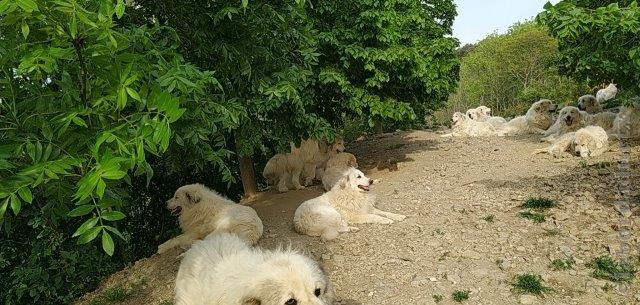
{"x": 377, "y": 126}
{"x": 248, "y": 177}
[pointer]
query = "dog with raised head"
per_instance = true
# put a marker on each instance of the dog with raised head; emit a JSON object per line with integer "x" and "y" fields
{"x": 483, "y": 114}
{"x": 464, "y": 126}
{"x": 569, "y": 119}
{"x": 589, "y": 103}
{"x": 202, "y": 211}
{"x": 538, "y": 119}
{"x": 223, "y": 269}
{"x": 348, "y": 202}
{"x": 326, "y": 152}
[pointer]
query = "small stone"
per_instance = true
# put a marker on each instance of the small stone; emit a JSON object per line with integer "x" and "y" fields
{"x": 573, "y": 272}
{"x": 520, "y": 248}
{"x": 566, "y": 250}
{"x": 419, "y": 280}
{"x": 326, "y": 256}
{"x": 527, "y": 299}
{"x": 433, "y": 279}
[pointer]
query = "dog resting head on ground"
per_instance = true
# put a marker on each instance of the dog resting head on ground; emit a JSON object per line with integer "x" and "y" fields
{"x": 223, "y": 270}
{"x": 569, "y": 119}
{"x": 590, "y": 141}
{"x": 589, "y": 103}
{"x": 201, "y": 211}
{"x": 538, "y": 118}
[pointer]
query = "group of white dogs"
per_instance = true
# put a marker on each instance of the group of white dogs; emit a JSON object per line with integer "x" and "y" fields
{"x": 584, "y": 130}
{"x": 223, "y": 267}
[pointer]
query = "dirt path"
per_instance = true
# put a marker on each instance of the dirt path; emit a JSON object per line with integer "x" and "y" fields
{"x": 463, "y": 232}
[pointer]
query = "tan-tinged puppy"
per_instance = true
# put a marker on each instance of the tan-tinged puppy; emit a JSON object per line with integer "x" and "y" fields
{"x": 538, "y": 118}
{"x": 223, "y": 270}
{"x": 348, "y": 202}
{"x": 202, "y": 211}
{"x": 569, "y": 119}
{"x": 464, "y": 126}
{"x": 342, "y": 160}
{"x": 483, "y": 114}
{"x": 589, "y": 103}
{"x": 309, "y": 154}
{"x": 326, "y": 152}
{"x": 284, "y": 171}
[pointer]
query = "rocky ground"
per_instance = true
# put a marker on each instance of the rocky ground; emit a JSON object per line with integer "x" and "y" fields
{"x": 463, "y": 230}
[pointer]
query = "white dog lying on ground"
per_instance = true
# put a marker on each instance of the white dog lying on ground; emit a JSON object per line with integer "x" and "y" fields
{"x": 607, "y": 93}
{"x": 348, "y": 202}
{"x": 590, "y": 141}
{"x": 483, "y": 114}
{"x": 464, "y": 126}
{"x": 539, "y": 118}
{"x": 336, "y": 168}
{"x": 202, "y": 211}
{"x": 223, "y": 270}
{"x": 569, "y": 119}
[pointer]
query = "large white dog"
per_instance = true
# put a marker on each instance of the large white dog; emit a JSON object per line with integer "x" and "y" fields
{"x": 483, "y": 114}
{"x": 590, "y": 141}
{"x": 348, "y": 202}
{"x": 464, "y": 126}
{"x": 223, "y": 270}
{"x": 569, "y": 119}
{"x": 336, "y": 168}
{"x": 539, "y": 118}
{"x": 202, "y": 211}
{"x": 589, "y": 103}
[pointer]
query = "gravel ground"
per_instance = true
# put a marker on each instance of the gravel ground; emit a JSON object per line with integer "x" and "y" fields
{"x": 463, "y": 230}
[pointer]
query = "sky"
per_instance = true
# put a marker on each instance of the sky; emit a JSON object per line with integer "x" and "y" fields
{"x": 478, "y": 18}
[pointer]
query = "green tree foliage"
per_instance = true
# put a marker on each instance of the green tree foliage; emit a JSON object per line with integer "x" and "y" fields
{"x": 510, "y": 71}
{"x": 598, "y": 40}
{"x": 385, "y": 60}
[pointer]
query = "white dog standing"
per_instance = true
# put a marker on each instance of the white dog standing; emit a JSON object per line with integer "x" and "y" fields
{"x": 202, "y": 211}
{"x": 223, "y": 270}
{"x": 348, "y": 202}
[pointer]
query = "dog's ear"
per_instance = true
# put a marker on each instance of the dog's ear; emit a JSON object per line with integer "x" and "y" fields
{"x": 344, "y": 181}
{"x": 193, "y": 196}
{"x": 251, "y": 301}
{"x": 353, "y": 162}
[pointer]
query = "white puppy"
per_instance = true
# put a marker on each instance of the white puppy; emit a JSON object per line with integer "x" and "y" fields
{"x": 309, "y": 154}
{"x": 223, "y": 270}
{"x": 284, "y": 170}
{"x": 589, "y": 103}
{"x": 569, "y": 119}
{"x": 538, "y": 119}
{"x": 483, "y": 114}
{"x": 607, "y": 93}
{"x": 202, "y": 211}
{"x": 590, "y": 141}
{"x": 463, "y": 126}
{"x": 326, "y": 152}
{"x": 348, "y": 202}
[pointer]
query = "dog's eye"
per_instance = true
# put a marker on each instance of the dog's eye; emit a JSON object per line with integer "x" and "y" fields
{"x": 317, "y": 292}
{"x": 291, "y": 302}
{"x": 359, "y": 177}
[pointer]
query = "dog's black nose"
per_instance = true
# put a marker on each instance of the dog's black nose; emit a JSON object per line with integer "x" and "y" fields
{"x": 370, "y": 181}
{"x": 578, "y": 153}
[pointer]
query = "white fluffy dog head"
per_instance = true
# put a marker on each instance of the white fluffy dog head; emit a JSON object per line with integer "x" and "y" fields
{"x": 570, "y": 116}
{"x": 290, "y": 279}
{"x": 338, "y": 145}
{"x": 484, "y": 110}
{"x": 589, "y": 103}
{"x": 185, "y": 197}
{"x": 542, "y": 107}
{"x": 459, "y": 118}
{"x": 354, "y": 179}
{"x": 590, "y": 141}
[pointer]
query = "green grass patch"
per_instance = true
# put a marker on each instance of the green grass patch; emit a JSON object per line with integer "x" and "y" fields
{"x": 535, "y": 217}
{"x": 538, "y": 203}
{"x": 606, "y": 268}
{"x": 460, "y": 295}
{"x": 437, "y": 298}
{"x": 561, "y": 264}
{"x": 489, "y": 218}
{"x": 529, "y": 283}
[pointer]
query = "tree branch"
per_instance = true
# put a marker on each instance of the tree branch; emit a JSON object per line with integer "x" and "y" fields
{"x": 78, "y": 45}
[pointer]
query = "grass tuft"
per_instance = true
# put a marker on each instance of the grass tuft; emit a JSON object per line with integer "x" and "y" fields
{"x": 538, "y": 203}
{"x": 561, "y": 264}
{"x": 607, "y": 268}
{"x": 535, "y": 217}
{"x": 489, "y": 218}
{"x": 437, "y": 298}
{"x": 460, "y": 295}
{"x": 529, "y": 283}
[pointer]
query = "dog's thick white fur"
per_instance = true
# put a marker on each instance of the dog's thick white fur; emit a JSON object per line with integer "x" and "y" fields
{"x": 607, "y": 93}
{"x": 326, "y": 152}
{"x": 348, "y": 202}
{"x": 603, "y": 119}
{"x": 203, "y": 211}
{"x": 627, "y": 122}
{"x": 569, "y": 119}
{"x": 590, "y": 141}
{"x": 336, "y": 168}
{"x": 284, "y": 170}
{"x": 483, "y": 114}
{"x": 589, "y": 103}
{"x": 464, "y": 126}
{"x": 223, "y": 270}
{"x": 309, "y": 154}
{"x": 538, "y": 118}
